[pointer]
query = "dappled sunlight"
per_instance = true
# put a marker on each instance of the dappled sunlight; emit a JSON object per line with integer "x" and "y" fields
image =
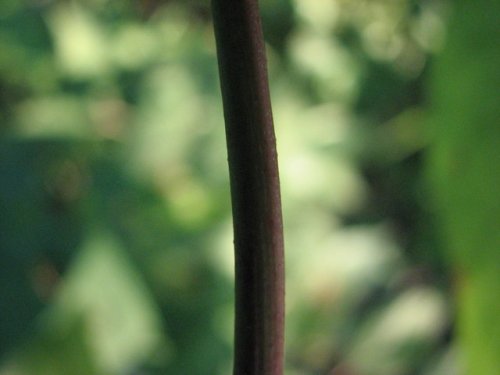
{"x": 116, "y": 230}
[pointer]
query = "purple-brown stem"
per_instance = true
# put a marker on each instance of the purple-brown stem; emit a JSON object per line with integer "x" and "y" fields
{"x": 253, "y": 169}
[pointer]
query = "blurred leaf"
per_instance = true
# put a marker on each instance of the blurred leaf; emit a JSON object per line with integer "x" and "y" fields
{"x": 465, "y": 171}
{"x": 80, "y": 41}
{"x": 122, "y": 322}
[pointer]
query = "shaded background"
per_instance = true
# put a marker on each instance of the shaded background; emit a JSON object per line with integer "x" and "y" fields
{"x": 115, "y": 226}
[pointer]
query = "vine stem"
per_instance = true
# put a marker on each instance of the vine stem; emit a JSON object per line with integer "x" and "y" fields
{"x": 255, "y": 194}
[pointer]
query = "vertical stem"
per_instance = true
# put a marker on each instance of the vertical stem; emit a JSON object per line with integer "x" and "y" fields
{"x": 259, "y": 322}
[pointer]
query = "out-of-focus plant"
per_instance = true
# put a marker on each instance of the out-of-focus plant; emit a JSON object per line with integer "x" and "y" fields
{"x": 465, "y": 165}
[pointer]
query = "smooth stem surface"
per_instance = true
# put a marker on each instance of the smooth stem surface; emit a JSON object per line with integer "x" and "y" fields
{"x": 259, "y": 322}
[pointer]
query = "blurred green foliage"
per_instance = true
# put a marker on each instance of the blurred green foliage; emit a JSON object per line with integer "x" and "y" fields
{"x": 466, "y": 174}
{"x": 115, "y": 227}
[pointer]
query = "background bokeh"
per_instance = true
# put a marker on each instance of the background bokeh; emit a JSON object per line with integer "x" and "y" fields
{"x": 115, "y": 226}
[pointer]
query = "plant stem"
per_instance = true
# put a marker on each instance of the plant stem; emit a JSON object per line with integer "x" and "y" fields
{"x": 253, "y": 169}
